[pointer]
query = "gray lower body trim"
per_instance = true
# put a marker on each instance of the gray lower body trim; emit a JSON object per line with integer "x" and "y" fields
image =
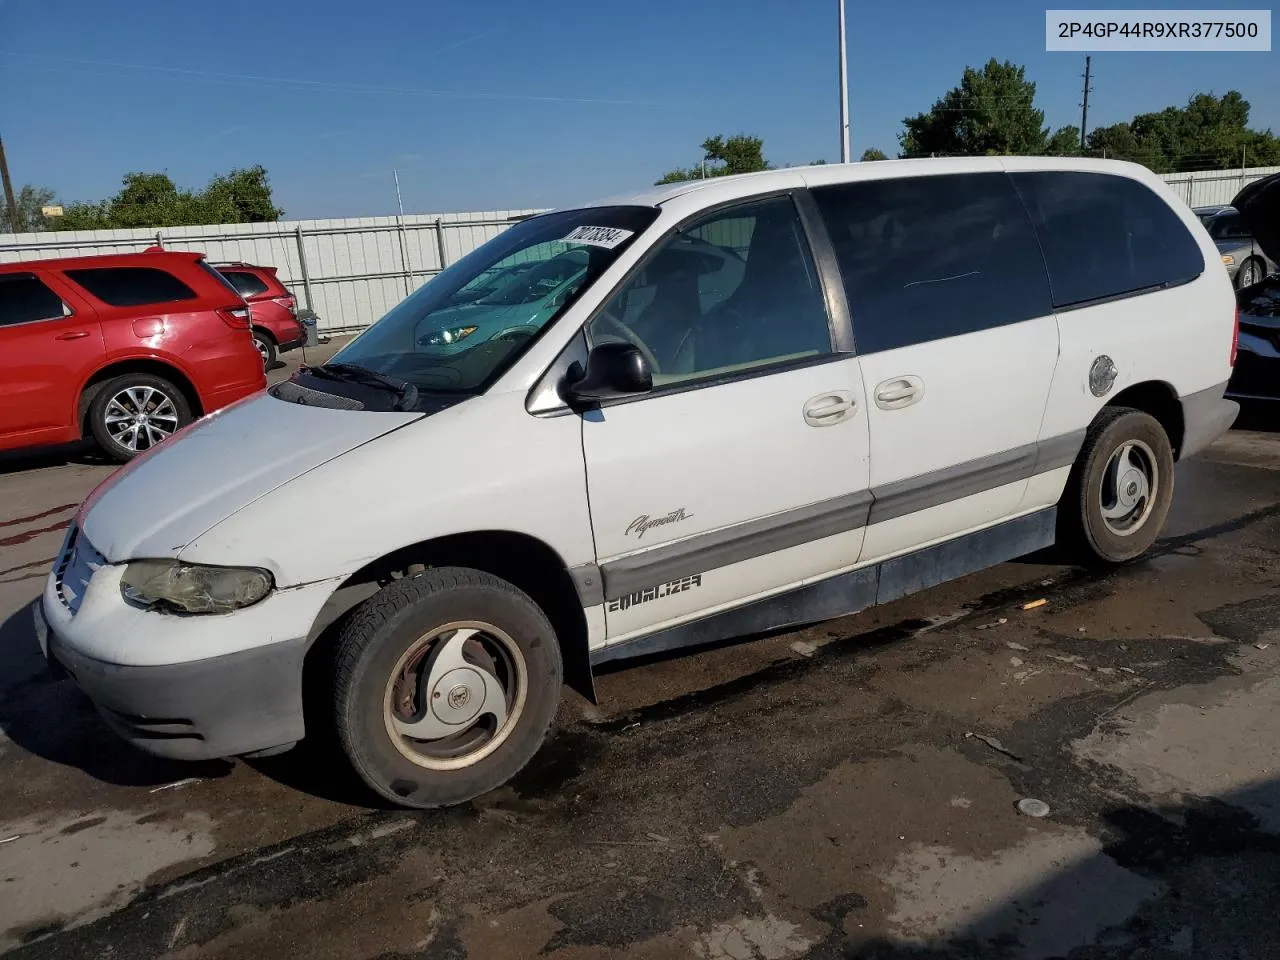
{"x": 851, "y": 592}
{"x": 719, "y": 548}
{"x": 1206, "y": 415}
{"x": 220, "y": 707}
{"x": 756, "y": 538}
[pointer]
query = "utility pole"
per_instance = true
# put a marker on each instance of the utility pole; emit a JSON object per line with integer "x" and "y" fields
{"x": 10, "y": 204}
{"x": 1084, "y": 105}
{"x": 844, "y": 92}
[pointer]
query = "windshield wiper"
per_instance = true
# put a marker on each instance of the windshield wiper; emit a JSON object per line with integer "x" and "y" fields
{"x": 354, "y": 373}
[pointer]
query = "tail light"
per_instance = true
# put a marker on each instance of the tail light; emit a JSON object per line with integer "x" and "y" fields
{"x": 237, "y": 317}
{"x": 289, "y": 303}
{"x": 1235, "y": 338}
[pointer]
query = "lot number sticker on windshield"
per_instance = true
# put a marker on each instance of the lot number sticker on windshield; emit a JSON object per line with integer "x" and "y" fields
{"x": 607, "y": 237}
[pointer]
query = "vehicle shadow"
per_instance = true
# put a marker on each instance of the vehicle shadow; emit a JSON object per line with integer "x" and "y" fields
{"x": 82, "y": 453}
{"x": 1262, "y": 417}
{"x": 1196, "y": 877}
{"x": 48, "y": 716}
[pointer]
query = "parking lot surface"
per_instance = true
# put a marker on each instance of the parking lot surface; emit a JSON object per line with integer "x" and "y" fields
{"x": 849, "y": 790}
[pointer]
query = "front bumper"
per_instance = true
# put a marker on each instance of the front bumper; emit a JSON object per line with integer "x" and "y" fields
{"x": 184, "y": 687}
{"x": 222, "y": 707}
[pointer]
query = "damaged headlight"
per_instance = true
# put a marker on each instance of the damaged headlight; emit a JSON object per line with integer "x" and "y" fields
{"x": 193, "y": 588}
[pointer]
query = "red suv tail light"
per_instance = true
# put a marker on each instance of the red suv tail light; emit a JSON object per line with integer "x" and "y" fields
{"x": 1235, "y": 338}
{"x": 237, "y": 317}
{"x": 289, "y": 303}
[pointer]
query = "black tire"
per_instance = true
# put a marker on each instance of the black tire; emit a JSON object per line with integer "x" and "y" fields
{"x": 266, "y": 348}
{"x": 385, "y": 629}
{"x": 1082, "y": 527}
{"x": 1252, "y": 271}
{"x": 165, "y": 410}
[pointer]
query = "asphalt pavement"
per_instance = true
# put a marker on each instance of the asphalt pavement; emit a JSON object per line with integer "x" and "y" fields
{"x": 850, "y": 790}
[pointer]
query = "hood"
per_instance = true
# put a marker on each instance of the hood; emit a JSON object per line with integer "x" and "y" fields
{"x": 160, "y": 502}
{"x": 1259, "y": 204}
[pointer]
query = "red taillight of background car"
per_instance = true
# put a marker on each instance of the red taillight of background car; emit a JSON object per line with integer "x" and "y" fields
{"x": 289, "y": 303}
{"x": 1235, "y": 338}
{"x": 237, "y": 317}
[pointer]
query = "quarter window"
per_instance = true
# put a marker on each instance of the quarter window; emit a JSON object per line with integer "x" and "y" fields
{"x": 1106, "y": 236}
{"x": 132, "y": 286}
{"x": 927, "y": 258}
{"x": 246, "y": 284}
{"x": 24, "y": 298}
{"x": 729, "y": 293}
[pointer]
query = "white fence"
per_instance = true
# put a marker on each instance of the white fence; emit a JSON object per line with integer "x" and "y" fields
{"x": 350, "y": 272}
{"x": 1205, "y": 188}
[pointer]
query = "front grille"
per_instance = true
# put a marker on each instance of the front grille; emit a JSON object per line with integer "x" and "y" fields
{"x": 76, "y": 568}
{"x": 64, "y": 559}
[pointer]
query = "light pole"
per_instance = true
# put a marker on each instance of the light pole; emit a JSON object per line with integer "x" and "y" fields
{"x": 844, "y": 92}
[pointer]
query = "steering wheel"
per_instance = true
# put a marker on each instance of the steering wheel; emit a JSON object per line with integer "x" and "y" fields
{"x": 619, "y": 331}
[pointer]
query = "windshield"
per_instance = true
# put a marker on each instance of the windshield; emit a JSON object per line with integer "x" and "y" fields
{"x": 464, "y": 327}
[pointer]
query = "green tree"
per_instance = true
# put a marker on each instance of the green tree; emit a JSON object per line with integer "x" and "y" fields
{"x": 1115, "y": 142}
{"x": 1065, "y": 142}
{"x": 29, "y": 200}
{"x": 740, "y": 153}
{"x": 1209, "y": 133}
{"x": 154, "y": 200}
{"x": 873, "y": 153}
{"x": 242, "y": 196}
{"x": 991, "y": 112}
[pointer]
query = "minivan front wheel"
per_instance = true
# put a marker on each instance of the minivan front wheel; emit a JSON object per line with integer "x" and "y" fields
{"x": 446, "y": 685}
{"x": 132, "y": 413}
{"x": 1120, "y": 489}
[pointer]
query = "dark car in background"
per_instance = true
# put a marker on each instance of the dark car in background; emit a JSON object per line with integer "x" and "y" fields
{"x": 1257, "y": 370}
{"x": 1244, "y": 258}
{"x": 276, "y": 327}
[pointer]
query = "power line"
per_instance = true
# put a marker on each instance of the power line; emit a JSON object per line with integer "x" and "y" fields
{"x": 302, "y": 83}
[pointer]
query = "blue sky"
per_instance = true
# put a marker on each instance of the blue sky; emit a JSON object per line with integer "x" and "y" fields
{"x": 492, "y": 104}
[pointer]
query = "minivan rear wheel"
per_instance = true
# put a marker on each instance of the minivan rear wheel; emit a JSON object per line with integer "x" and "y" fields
{"x": 134, "y": 412}
{"x": 1120, "y": 488}
{"x": 446, "y": 684}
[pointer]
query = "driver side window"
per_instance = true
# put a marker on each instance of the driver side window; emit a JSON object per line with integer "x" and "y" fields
{"x": 729, "y": 293}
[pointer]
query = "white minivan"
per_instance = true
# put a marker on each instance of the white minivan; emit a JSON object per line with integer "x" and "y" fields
{"x": 699, "y": 412}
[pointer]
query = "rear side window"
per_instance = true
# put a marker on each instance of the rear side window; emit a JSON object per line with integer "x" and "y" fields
{"x": 24, "y": 298}
{"x": 132, "y": 286}
{"x": 927, "y": 258}
{"x": 1106, "y": 236}
{"x": 1227, "y": 226}
{"x": 246, "y": 284}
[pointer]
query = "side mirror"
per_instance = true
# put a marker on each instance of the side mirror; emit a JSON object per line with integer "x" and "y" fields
{"x": 613, "y": 370}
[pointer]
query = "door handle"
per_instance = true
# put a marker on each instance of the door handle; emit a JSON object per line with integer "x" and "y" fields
{"x": 899, "y": 392}
{"x": 828, "y": 408}
{"x": 72, "y": 335}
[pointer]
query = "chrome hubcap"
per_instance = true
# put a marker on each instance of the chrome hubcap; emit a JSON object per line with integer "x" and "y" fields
{"x": 1129, "y": 487}
{"x": 263, "y": 352}
{"x": 455, "y": 695}
{"x": 138, "y": 418}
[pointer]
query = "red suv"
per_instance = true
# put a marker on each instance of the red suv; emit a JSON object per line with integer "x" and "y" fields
{"x": 126, "y": 349}
{"x": 276, "y": 328}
